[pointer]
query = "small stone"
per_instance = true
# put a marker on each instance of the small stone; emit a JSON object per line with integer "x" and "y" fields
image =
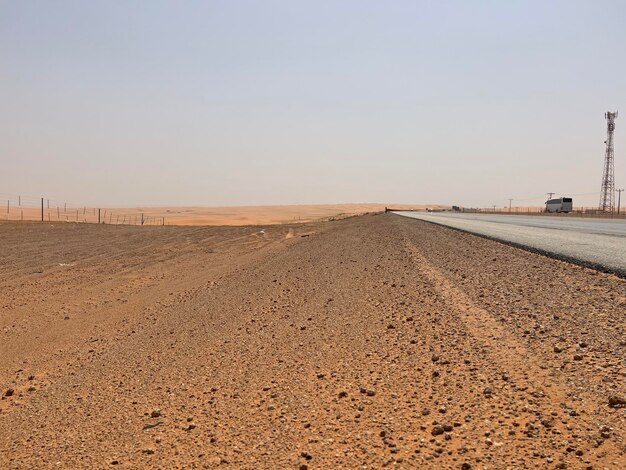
{"x": 9, "y": 392}
{"x": 558, "y": 349}
{"x": 370, "y": 392}
{"x": 343, "y": 394}
{"x": 437, "y": 430}
{"x": 447, "y": 427}
{"x": 148, "y": 451}
{"x": 434, "y": 358}
{"x": 31, "y": 389}
{"x": 435, "y": 373}
{"x": 617, "y": 402}
{"x": 466, "y": 466}
{"x": 306, "y": 455}
{"x": 425, "y": 411}
{"x": 155, "y": 413}
{"x": 487, "y": 392}
{"x": 578, "y": 357}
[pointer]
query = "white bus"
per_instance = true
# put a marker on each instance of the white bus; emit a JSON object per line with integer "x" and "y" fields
{"x": 562, "y": 204}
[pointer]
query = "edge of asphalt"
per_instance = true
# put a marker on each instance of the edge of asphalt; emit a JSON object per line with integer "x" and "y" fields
{"x": 621, "y": 273}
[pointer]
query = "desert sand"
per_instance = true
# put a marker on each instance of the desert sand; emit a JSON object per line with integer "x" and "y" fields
{"x": 367, "y": 342}
{"x": 230, "y": 215}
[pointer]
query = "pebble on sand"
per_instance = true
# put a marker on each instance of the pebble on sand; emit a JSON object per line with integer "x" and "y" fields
{"x": 437, "y": 430}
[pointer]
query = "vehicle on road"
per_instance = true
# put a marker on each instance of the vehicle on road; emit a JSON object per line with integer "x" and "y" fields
{"x": 562, "y": 204}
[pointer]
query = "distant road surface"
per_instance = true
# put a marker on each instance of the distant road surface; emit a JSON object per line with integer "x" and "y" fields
{"x": 597, "y": 242}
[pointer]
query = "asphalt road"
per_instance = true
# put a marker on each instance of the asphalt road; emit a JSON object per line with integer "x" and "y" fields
{"x": 596, "y": 242}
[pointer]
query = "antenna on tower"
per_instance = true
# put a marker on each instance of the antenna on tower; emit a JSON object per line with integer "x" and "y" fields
{"x": 607, "y": 194}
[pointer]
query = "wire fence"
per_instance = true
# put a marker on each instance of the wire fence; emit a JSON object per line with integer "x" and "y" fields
{"x": 24, "y": 208}
{"x": 576, "y": 212}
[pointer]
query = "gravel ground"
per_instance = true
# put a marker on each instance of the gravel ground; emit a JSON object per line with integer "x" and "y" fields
{"x": 362, "y": 343}
{"x": 597, "y": 242}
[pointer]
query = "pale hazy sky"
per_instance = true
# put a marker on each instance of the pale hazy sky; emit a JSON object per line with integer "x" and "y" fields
{"x": 262, "y": 102}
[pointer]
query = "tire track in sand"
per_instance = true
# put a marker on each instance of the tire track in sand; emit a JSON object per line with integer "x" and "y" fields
{"x": 546, "y": 395}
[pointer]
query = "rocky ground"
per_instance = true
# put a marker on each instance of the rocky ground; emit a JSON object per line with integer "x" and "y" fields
{"x": 362, "y": 343}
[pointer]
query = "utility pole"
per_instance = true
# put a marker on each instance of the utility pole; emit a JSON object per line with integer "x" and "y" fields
{"x": 549, "y": 197}
{"x": 619, "y": 199}
{"x": 42, "y": 209}
{"x": 607, "y": 192}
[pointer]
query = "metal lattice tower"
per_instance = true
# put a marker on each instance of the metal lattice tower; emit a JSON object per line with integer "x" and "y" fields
{"x": 607, "y": 194}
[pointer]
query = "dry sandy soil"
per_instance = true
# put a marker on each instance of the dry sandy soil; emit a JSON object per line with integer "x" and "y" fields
{"x": 233, "y": 215}
{"x": 359, "y": 343}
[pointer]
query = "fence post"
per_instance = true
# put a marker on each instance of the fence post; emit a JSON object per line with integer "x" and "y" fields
{"x": 42, "y": 209}
{"x": 98, "y": 216}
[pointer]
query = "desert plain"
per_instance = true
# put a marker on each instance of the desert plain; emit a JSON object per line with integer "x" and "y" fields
{"x": 191, "y": 215}
{"x": 367, "y": 342}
